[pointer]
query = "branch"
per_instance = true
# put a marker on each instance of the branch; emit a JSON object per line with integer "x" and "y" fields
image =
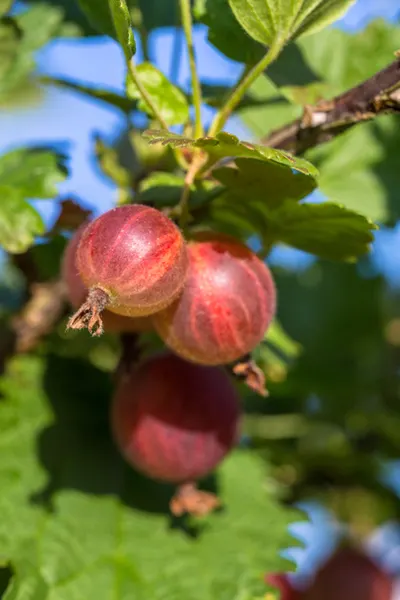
{"x": 380, "y": 94}
{"x": 39, "y": 316}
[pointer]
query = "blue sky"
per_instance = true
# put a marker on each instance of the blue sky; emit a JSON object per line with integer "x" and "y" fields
{"x": 66, "y": 117}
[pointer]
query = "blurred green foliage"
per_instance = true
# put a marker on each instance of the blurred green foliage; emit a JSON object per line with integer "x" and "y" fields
{"x": 77, "y": 522}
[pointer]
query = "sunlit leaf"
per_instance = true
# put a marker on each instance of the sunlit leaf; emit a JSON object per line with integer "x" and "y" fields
{"x": 20, "y": 37}
{"x": 123, "y": 26}
{"x": 5, "y": 6}
{"x": 169, "y": 100}
{"x": 34, "y": 171}
{"x": 227, "y": 145}
{"x": 20, "y": 223}
{"x": 109, "y": 523}
{"x": 270, "y": 21}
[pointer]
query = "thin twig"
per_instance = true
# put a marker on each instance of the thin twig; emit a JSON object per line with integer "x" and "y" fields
{"x": 380, "y": 94}
{"x": 186, "y": 16}
{"x": 154, "y": 110}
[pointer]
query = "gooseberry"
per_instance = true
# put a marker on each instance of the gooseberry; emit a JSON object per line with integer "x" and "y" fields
{"x": 226, "y": 306}
{"x": 173, "y": 420}
{"x": 133, "y": 260}
{"x": 349, "y": 574}
{"x": 77, "y": 291}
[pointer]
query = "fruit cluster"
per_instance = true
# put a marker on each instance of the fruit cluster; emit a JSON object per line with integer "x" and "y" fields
{"x": 174, "y": 416}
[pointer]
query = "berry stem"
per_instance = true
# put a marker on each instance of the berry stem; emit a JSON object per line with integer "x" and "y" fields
{"x": 245, "y": 81}
{"x": 186, "y": 15}
{"x": 88, "y": 315}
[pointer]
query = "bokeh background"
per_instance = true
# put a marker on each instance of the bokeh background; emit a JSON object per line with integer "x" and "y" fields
{"x": 70, "y": 121}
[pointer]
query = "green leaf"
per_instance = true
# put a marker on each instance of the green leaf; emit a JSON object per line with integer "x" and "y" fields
{"x": 19, "y": 221}
{"x": 20, "y": 37}
{"x": 161, "y": 189}
{"x": 5, "y": 6}
{"x": 99, "y": 16}
{"x": 155, "y": 14}
{"x": 10, "y": 35}
{"x": 275, "y": 356}
{"x": 123, "y": 26}
{"x": 358, "y": 169}
{"x": 266, "y": 182}
{"x": 349, "y": 65}
{"x": 109, "y": 534}
{"x": 214, "y": 95}
{"x": 33, "y": 171}
{"x": 23, "y": 413}
{"x": 276, "y": 111}
{"x": 276, "y": 336}
{"x": 227, "y": 145}
{"x": 353, "y": 172}
{"x": 165, "y": 190}
{"x": 225, "y": 33}
{"x": 25, "y": 173}
{"x": 42, "y": 23}
{"x": 112, "y": 17}
{"x": 270, "y": 22}
{"x": 170, "y": 100}
{"x": 107, "y": 96}
{"x": 111, "y": 167}
{"x": 295, "y": 78}
{"x": 158, "y": 14}
{"x": 340, "y": 318}
{"x": 327, "y": 230}
{"x": 164, "y": 564}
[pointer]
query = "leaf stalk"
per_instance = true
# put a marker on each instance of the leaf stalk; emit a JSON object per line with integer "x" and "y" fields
{"x": 245, "y": 81}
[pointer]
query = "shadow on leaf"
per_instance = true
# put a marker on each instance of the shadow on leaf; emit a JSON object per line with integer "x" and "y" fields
{"x": 78, "y": 452}
{"x": 6, "y": 574}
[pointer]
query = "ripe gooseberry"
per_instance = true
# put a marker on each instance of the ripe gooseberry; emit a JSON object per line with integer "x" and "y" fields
{"x": 350, "y": 574}
{"x": 226, "y": 306}
{"x": 133, "y": 260}
{"x": 284, "y": 585}
{"x": 173, "y": 420}
{"x": 77, "y": 291}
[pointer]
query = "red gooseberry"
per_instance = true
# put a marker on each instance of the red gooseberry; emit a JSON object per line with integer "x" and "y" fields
{"x": 349, "y": 574}
{"x": 226, "y": 305}
{"x": 77, "y": 292}
{"x": 133, "y": 260}
{"x": 173, "y": 420}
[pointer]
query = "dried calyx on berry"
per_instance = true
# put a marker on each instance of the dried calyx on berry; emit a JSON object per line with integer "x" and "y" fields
{"x": 133, "y": 261}
{"x": 77, "y": 292}
{"x": 175, "y": 422}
